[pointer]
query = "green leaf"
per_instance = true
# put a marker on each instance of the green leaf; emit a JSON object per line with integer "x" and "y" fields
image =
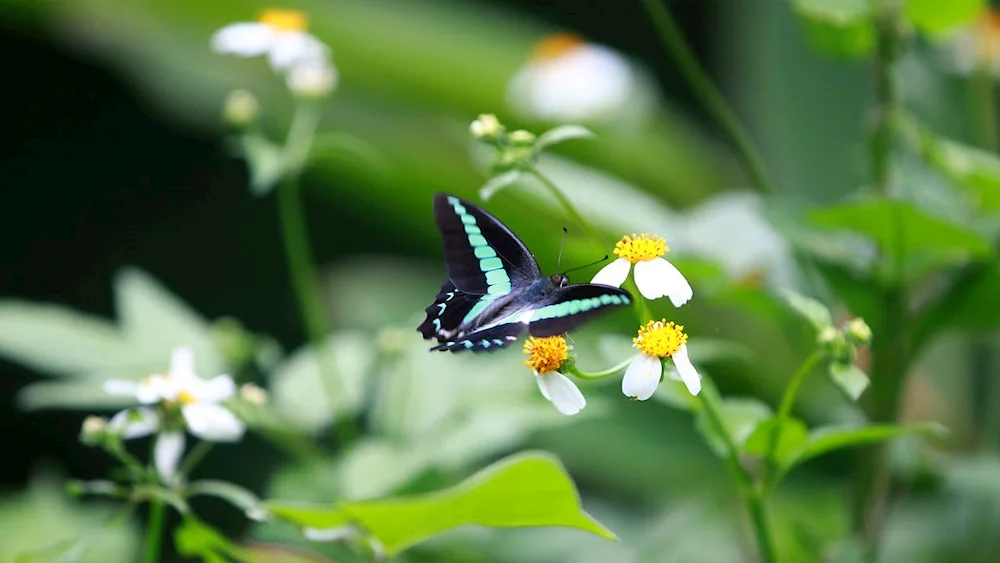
{"x": 195, "y": 539}
{"x": 975, "y": 171}
{"x": 740, "y": 416}
{"x": 524, "y": 490}
{"x": 850, "y": 378}
{"x": 792, "y": 435}
{"x": 829, "y": 438}
{"x": 561, "y": 134}
{"x": 815, "y": 312}
{"x": 229, "y": 492}
{"x": 497, "y": 183}
{"x": 265, "y": 161}
{"x": 842, "y": 28}
{"x": 936, "y": 16}
{"x": 56, "y": 340}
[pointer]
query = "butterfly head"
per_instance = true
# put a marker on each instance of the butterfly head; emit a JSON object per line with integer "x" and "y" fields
{"x": 559, "y": 280}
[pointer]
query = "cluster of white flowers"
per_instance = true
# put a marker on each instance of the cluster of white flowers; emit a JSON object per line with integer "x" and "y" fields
{"x": 303, "y": 60}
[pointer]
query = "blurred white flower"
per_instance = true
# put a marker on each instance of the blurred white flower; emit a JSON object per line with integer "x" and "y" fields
{"x": 654, "y": 276}
{"x": 313, "y": 78}
{"x": 545, "y": 356}
{"x": 977, "y": 46}
{"x": 569, "y": 80}
{"x": 279, "y": 34}
{"x": 180, "y": 389}
{"x": 657, "y": 341}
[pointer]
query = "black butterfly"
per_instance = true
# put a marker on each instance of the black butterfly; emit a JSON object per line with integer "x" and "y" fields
{"x": 495, "y": 289}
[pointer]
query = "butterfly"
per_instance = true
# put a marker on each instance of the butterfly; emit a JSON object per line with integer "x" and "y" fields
{"x": 495, "y": 289}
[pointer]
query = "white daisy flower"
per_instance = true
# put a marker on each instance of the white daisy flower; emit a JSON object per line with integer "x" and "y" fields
{"x": 163, "y": 396}
{"x": 569, "y": 80}
{"x": 657, "y": 341}
{"x": 976, "y": 46}
{"x": 545, "y": 356}
{"x": 654, "y": 276}
{"x": 279, "y": 34}
{"x": 312, "y": 78}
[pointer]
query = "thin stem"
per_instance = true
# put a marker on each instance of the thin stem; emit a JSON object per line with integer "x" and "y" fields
{"x": 985, "y": 104}
{"x": 299, "y": 254}
{"x": 754, "y": 501}
{"x": 784, "y": 410}
{"x": 602, "y": 374}
{"x": 642, "y": 310}
{"x": 710, "y": 97}
{"x": 198, "y": 453}
{"x": 566, "y": 205}
{"x": 154, "y": 530}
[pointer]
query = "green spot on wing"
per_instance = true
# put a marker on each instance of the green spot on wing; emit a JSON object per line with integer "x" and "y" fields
{"x": 477, "y": 240}
{"x": 489, "y": 264}
{"x": 484, "y": 252}
{"x": 497, "y": 277}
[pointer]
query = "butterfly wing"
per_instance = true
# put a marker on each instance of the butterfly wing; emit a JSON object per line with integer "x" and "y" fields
{"x": 485, "y": 261}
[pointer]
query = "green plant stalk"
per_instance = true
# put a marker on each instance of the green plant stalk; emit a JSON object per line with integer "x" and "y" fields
{"x": 753, "y": 499}
{"x": 602, "y": 374}
{"x": 298, "y": 252}
{"x": 198, "y": 453}
{"x": 566, "y": 205}
{"x": 677, "y": 48}
{"x": 154, "y": 531}
{"x": 771, "y": 470}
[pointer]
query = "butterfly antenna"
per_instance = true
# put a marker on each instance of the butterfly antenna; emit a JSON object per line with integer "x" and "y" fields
{"x": 562, "y": 246}
{"x": 586, "y": 265}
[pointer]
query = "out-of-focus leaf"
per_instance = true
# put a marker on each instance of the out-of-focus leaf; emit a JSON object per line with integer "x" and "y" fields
{"x": 740, "y": 416}
{"x": 935, "y": 16}
{"x": 497, "y": 183}
{"x": 976, "y": 476}
{"x": 374, "y": 468}
{"x": 791, "y": 433}
{"x": 233, "y": 494}
{"x": 526, "y": 489}
{"x": 59, "y": 341}
{"x": 815, "y": 312}
{"x": 842, "y": 28}
{"x": 299, "y": 392}
{"x": 975, "y": 171}
{"x": 369, "y": 293}
{"x": 828, "y": 438}
{"x": 561, "y": 134}
{"x": 195, "y": 539}
{"x": 266, "y": 162}
{"x": 850, "y": 378}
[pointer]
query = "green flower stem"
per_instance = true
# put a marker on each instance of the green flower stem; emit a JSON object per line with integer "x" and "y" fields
{"x": 198, "y": 453}
{"x": 752, "y": 498}
{"x": 566, "y": 205}
{"x": 642, "y": 310}
{"x": 602, "y": 374}
{"x": 784, "y": 409}
{"x": 154, "y": 531}
{"x": 299, "y": 253}
{"x": 677, "y": 48}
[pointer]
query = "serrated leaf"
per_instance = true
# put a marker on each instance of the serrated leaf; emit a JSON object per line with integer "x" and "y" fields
{"x": 524, "y": 490}
{"x": 825, "y": 439}
{"x": 561, "y": 134}
{"x": 56, "y": 340}
{"x": 791, "y": 434}
{"x": 936, "y": 16}
{"x": 850, "y": 378}
{"x": 497, "y": 183}
{"x": 739, "y": 417}
{"x": 842, "y": 28}
{"x": 815, "y": 312}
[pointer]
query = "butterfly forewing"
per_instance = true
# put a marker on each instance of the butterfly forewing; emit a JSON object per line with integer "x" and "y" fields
{"x": 574, "y": 305}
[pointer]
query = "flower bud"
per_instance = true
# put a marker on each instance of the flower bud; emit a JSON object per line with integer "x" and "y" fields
{"x": 858, "y": 331}
{"x": 486, "y": 127}
{"x": 241, "y": 108}
{"x": 312, "y": 79}
{"x": 93, "y": 430}
{"x": 522, "y": 138}
{"x": 828, "y": 336}
{"x": 253, "y": 394}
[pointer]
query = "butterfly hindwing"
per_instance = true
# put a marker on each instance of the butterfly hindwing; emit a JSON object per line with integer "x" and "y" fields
{"x": 571, "y": 306}
{"x": 445, "y": 315}
{"x": 487, "y": 339}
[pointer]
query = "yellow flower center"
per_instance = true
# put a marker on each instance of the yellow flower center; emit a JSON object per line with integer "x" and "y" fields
{"x": 186, "y": 398}
{"x": 555, "y": 46}
{"x": 546, "y": 354}
{"x": 284, "y": 20}
{"x": 660, "y": 338}
{"x": 640, "y": 248}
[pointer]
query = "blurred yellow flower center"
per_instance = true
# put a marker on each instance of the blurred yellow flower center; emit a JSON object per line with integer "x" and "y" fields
{"x": 186, "y": 398}
{"x": 555, "y": 46}
{"x": 989, "y": 36}
{"x": 640, "y": 248}
{"x": 546, "y": 354}
{"x": 284, "y": 20}
{"x": 660, "y": 338}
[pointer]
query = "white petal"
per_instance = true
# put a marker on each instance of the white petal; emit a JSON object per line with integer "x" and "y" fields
{"x": 214, "y": 390}
{"x": 244, "y": 39}
{"x": 657, "y": 278}
{"x": 135, "y": 423}
{"x": 167, "y": 453}
{"x": 562, "y": 392}
{"x": 541, "y": 386}
{"x": 642, "y": 377}
{"x": 614, "y": 273}
{"x": 121, "y": 387}
{"x": 210, "y": 421}
{"x": 155, "y": 389}
{"x": 686, "y": 370}
{"x": 292, "y": 47}
{"x": 182, "y": 364}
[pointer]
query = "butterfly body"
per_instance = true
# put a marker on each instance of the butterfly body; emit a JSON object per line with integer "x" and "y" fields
{"x": 495, "y": 290}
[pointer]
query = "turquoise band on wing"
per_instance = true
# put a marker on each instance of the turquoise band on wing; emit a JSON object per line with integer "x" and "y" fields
{"x": 497, "y": 278}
